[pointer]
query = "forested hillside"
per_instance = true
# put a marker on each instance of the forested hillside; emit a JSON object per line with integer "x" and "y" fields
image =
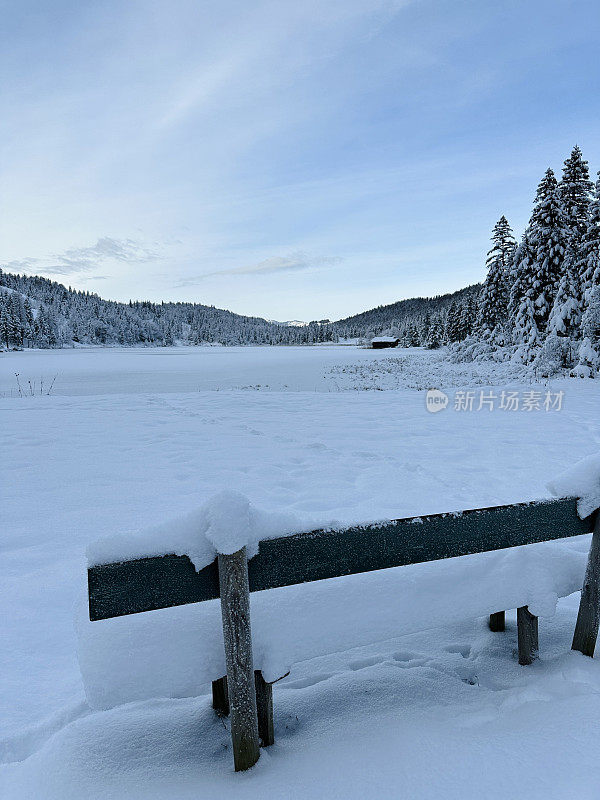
{"x": 428, "y": 321}
{"x": 37, "y": 312}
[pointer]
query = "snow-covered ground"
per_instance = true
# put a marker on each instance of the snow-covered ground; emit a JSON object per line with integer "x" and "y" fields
{"x": 129, "y": 438}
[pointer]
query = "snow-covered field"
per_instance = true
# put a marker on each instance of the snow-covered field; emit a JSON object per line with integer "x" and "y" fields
{"x": 129, "y": 438}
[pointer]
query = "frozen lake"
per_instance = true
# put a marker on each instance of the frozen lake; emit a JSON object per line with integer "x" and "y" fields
{"x": 179, "y": 369}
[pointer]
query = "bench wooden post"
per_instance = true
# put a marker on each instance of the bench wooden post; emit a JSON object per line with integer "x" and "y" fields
{"x": 527, "y": 633}
{"x": 220, "y": 698}
{"x": 237, "y": 637}
{"x": 497, "y": 622}
{"x": 264, "y": 707}
{"x": 588, "y": 617}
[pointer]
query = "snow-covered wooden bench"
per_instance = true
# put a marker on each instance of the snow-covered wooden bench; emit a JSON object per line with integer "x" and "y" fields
{"x": 138, "y": 585}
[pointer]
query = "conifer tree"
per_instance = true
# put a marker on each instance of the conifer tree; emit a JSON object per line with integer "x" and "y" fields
{"x": 492, "y": 310}
{"x": 28, "y": 313}
{"x": 565, "y": 318}
{"x": 575, "y": 191}
{"x": 466, "y": 318}
{"x": 435, "y": 333}
{"x": 521, "y": 274}
{"x": 521, "y": 308}
{"x": 462, "y": 321}
{"x": 526, "y": 332}
{"x": 416, "y": 337}
{"x": 575, "y": 188}
{"x": 5, "y": 327}
{"x": 590, "y": 248}
{"x": 452, "y": 333}
{"x": 18, "y": 318}
{"x": 589, "y": 349}
{"x": 549, "y": 235}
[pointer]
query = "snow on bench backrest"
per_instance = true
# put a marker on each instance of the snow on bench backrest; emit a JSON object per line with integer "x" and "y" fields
{"x": 146, "y": 584}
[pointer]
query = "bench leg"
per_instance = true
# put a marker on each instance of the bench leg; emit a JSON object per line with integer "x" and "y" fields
{"x": 588, "y": 617}
{"x": 497, "y": 622}
{"x": 527, "y": 632}
{"x": 237, "y": 638}
{"x": 220, "y": 698}
{"x": 264, "y": 708}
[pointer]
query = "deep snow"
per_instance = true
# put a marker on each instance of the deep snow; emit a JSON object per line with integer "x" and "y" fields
{"x": 295, "y": 623}
{"x": 131, "y": 438}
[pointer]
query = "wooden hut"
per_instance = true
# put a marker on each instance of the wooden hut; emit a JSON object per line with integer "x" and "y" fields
{"x": 379, "y": 342}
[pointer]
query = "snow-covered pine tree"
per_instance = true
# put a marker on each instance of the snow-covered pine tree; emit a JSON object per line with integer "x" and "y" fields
{"x": 471, "y": 314}
{"x": 424, "y": 329}
{"x": 5, "y": 329}
{"x": 525, "y": 333}
{"x": 575, "y": 189}
{"x": 415, "y": 335}
{"x": 590, "y": 248}
{"x": 565, "y": 318}
{"x": 589, "y": 348}
{"x": 29, "y": 319}
{"x": 520, "y": 274}
{"x": 550, "y": 238}
{"x": 11, "y": 330}
{"x": 435, "y": 333}
{"x": 452, "y": 333}
{"x": 492, "y": 312}
{"x": 464, "y": 322}
{"x": 466, "y": 318}
{"x": 18, "y": 314}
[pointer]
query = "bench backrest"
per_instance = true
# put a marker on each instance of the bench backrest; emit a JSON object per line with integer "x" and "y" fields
{"x": 146, "y": 584}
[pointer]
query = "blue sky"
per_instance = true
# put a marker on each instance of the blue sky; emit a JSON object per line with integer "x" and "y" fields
{"x": 285, "y": 159}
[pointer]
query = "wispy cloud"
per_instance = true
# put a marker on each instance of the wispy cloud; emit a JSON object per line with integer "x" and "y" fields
{"x": 268, "y": 266}
{"x": 25, "y": 264}
{"x": 250, "y": 134}
{"x": 83, "y": 259}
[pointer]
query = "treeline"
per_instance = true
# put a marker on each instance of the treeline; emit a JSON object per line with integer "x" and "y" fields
{"x": 37, "y": 312}
{"x": 540, "y": 302}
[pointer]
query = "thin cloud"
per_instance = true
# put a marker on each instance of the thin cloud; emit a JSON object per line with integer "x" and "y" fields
{"x": 83, "y": 259}
{"x": 269, "y": 266}
{"x": 22, "y": 264}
